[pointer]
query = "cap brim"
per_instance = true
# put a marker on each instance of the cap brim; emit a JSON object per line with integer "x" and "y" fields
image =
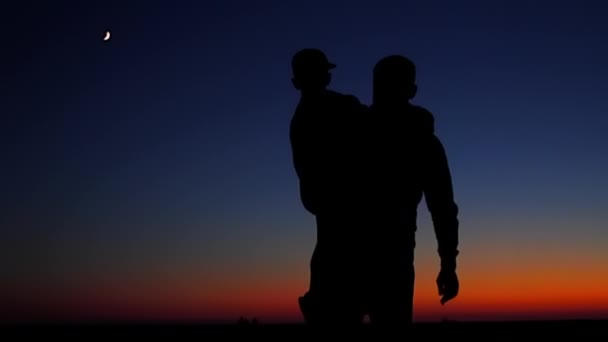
{"x": 331, "y": 65}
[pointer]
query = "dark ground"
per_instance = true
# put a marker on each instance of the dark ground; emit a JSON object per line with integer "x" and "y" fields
{"x": 583, "y": 330}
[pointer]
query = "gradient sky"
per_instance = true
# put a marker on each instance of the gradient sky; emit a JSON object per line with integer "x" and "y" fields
{"x": 150, "y": 177}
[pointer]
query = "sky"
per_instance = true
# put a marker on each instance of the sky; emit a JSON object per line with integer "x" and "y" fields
{"x": 149, "y": 177}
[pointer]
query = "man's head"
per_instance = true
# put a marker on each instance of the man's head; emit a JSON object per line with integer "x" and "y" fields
{"x": 310, "y": 68}
{"x": 394, "y": 80}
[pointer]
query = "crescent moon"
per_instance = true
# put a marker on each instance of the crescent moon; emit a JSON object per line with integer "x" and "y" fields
{"x": 107, "y": 36}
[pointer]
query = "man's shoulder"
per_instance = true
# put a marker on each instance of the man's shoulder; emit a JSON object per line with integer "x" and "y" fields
{"x": 342, "y": 98}
{"x": 423, "y": 117}
{"x": 422, "y": 111}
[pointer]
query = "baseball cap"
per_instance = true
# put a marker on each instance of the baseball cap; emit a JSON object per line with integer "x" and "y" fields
{"x": 310, "y": 59}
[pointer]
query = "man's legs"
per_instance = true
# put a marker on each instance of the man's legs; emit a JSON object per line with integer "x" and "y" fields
{"x": 332, "y": 313}
{"x": 391, "y": 307}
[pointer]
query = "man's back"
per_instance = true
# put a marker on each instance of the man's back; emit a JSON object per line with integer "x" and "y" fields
{"x": 410, "y": 163}
{"x": 400, "y": 139}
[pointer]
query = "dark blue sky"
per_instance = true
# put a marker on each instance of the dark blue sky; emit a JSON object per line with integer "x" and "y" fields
{"x": 167, "y": 147}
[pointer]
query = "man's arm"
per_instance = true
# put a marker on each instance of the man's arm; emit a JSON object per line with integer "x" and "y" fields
{"x": 439, "y": 197}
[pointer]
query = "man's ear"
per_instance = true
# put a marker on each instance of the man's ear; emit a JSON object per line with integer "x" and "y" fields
{"x": 295, "y": 83}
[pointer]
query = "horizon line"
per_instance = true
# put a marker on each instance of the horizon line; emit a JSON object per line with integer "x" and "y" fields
{"x": 101, "y": 322}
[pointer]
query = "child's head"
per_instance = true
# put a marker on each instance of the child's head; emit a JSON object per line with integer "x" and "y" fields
{"x": 394, "y": 80}
{"x": 311, "y": 70}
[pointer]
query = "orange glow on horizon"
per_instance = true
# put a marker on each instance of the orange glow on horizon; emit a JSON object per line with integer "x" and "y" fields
{"x": 519, "y": 298}
{"x": 525, "y": 288}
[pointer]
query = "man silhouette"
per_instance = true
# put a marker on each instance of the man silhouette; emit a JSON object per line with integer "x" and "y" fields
{"x": 407, "y": 162}
{"x": 323, "y": 133}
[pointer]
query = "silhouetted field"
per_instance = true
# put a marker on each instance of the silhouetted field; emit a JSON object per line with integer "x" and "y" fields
{"x": 488, "y": 331}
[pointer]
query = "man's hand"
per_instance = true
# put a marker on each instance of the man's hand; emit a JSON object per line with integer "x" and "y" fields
{"x": 447, "y": 285}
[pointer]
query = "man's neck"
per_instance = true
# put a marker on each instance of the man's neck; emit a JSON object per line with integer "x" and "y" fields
{"x": 391, "y": 106}
{"x": 310, "y": 93}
